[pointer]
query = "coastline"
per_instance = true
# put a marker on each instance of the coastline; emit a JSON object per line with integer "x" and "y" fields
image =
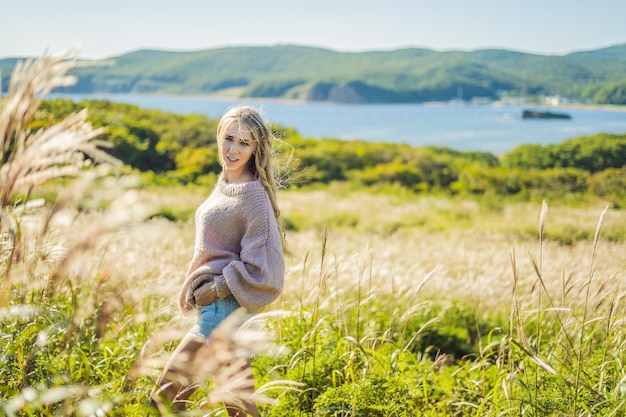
{"x": 234, "y": 98}
{"x": 486, "y": 127}
{"x": 603, "y": 107}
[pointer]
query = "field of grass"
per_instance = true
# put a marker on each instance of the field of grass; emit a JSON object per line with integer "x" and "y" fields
{"x": 394, "y": 304}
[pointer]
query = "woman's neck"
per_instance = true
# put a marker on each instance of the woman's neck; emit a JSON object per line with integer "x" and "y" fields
{"x": 241, "y": 178}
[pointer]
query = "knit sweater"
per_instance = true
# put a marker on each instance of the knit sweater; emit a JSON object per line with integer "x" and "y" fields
{"x": 238, "y": 246}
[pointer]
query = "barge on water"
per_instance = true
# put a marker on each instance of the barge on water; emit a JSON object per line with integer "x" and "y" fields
{"x": 533, "y": 114}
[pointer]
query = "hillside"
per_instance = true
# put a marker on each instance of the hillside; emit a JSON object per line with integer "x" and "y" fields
{"x": 315, "y": 74}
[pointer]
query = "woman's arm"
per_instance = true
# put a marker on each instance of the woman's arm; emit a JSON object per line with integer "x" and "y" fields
{"x": 256, "y": 279}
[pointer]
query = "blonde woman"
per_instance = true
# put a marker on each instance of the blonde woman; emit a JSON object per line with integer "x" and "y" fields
{"x": 238, "y": 255}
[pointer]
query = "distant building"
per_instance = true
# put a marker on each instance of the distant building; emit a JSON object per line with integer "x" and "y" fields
{"x": 554, "y": 100}
{"x": 481, "y": 100}
{"x": 512, "y": 101}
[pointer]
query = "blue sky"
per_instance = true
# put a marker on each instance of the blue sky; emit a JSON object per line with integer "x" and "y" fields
{"x": 108, "y": 28}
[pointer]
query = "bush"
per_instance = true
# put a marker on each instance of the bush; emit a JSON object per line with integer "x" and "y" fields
{"x": 557, "y": 182}
{"x": 376, "y": 397}
{"x": 589, "y": 153}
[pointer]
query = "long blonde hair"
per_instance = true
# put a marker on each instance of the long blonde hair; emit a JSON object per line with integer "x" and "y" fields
{"x": 262, "y": 163}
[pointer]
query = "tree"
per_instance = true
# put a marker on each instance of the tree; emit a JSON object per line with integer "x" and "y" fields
{"x": 612, "y": 94}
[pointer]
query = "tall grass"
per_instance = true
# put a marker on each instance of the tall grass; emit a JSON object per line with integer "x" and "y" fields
{"x": 79, "y": 313}
{"x": 445, "y": 303}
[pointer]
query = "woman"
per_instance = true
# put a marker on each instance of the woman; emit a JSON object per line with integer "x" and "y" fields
{"x": 238, "y": 255}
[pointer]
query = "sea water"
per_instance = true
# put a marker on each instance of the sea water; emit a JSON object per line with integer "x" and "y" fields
{"x": 489, "y": 128}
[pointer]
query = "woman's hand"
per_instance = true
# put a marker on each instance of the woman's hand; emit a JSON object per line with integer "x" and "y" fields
{"x": 205, "y": 294}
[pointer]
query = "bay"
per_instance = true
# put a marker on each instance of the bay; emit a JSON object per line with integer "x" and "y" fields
{"x": 489, "y": 128}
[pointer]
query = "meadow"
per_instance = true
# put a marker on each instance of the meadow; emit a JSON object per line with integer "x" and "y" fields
{"x": 395, "y": 304}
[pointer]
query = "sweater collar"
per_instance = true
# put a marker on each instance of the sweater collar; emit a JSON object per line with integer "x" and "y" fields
{"x": 236, "y": 189}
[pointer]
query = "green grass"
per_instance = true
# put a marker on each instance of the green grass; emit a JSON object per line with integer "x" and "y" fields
{"x": 359, "y": 340}
{"x": 404, "y": 307}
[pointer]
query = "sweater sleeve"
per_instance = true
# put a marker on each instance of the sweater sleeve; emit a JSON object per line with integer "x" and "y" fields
{"x": 256, "y": 278}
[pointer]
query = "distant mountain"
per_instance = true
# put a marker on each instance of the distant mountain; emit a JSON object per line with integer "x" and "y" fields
{"x": 315, "y": 74}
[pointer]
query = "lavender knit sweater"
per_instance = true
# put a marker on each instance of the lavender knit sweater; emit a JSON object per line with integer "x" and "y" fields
{"x": 238, "y": 246}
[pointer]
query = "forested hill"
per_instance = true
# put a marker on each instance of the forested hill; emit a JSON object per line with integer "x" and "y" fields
{"x": 403, "y": 75}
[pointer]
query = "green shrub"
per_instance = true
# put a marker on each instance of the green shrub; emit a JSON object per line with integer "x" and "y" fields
{"x": 588, "y": 153}
{"x": 375, "y": 397}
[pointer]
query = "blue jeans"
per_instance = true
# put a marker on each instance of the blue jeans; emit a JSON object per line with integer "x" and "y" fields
{"x": 212, "y": 315}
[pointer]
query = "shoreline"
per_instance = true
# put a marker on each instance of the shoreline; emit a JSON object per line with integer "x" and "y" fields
{"x": 603, "y": 107}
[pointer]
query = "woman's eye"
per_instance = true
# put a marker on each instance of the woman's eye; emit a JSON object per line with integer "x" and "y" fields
{"x": 245, "y": 143}
{"x": 229, "y": 138}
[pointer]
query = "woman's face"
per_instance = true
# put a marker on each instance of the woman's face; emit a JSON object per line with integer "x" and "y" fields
{"x": 235, "y": 150}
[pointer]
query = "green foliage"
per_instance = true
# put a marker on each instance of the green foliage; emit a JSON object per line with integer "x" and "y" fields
{"x": 173, "y": 214}
{"x": 454, "y": 331}
{"x": 274, "y": 88}
{"x": 610, "y": 184}
{"x": 590, "y": 153}
{"x": 148, "y": 140}
{"x": 355, "y": 351}
{"x": 370, "y": 163}
{"x": 403, "y": 75}
{"x": 611, "y": 94}
{"x": 374, "y": 359}
{"x": 557, "y": 182}
{"x": 389, "y": 372}
{"x": 176, "y": 149}
{"x": 375, "y": 397}
{"x": 68, "y": 366}
{"x": 401, "y": 173}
